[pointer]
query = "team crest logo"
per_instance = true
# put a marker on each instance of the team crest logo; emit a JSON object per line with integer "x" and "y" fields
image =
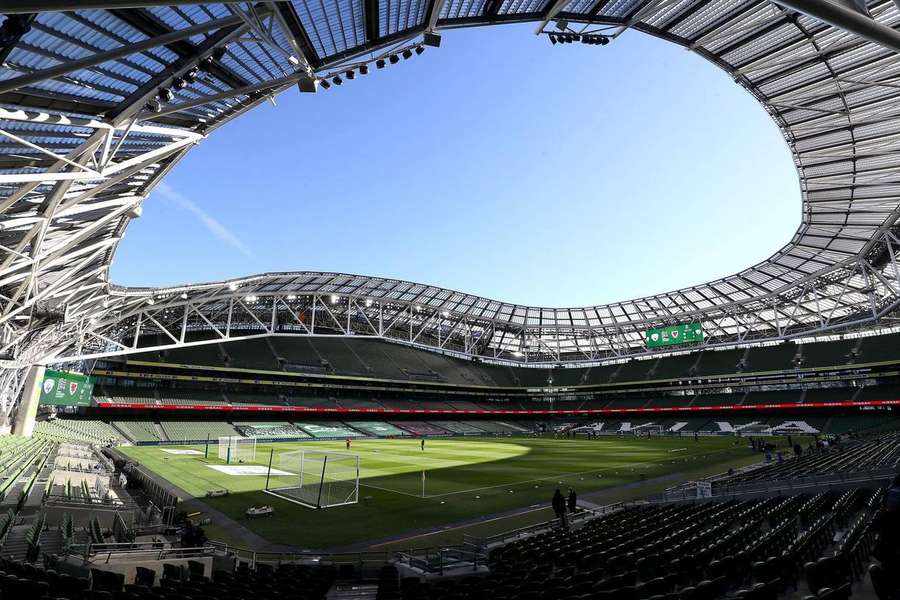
{"x": 48, "y": 386}
{"x": 73, "y": 387}
{"x": 675, "y": 334}
{"x": 654, "y": 337}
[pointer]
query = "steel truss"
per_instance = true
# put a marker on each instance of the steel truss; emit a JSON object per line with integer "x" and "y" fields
{"x": 99, "y": 99}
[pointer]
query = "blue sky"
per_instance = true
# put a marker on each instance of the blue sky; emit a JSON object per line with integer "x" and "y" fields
{"x": 498, "y": 165}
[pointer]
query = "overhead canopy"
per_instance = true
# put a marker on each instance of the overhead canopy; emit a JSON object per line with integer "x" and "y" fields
{"x": 96, "y": 104}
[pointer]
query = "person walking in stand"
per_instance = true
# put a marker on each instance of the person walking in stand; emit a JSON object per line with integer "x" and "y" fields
{"x": 573, "y": 501}
{"x": 559, "y": 508}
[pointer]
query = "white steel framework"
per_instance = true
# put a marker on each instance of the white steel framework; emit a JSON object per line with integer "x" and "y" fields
{"x": 100, "y": 98}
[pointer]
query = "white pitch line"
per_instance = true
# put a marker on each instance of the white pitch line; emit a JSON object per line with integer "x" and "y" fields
{"x": 555, "y": 476}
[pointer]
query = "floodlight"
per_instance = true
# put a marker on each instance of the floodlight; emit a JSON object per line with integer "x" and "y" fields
{"x": 308, "y": 85}
{"x": 153, "y": 106}
{"x": 363, "y": 69}
{"x": 431, "y": 39}
{"x": 336, "y": 80}
{"x": 379, "y": 63}
{"x": 394, "y": 59}
{"x": 351, "y": 74}
{"x": 232, "y": 286}
{"x": 324, "y": 83}
{"x": 407, "y": 54}
{"x": 165, "y": 94}
{"x": 420, "y": 50}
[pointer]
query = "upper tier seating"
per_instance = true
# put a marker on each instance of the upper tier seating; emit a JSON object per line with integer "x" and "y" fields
{"x": 271, "y": 430}
{"x": 86, "y": 430}
{"x": 421, "y": 428}
{"x": 329, "y": 430}
{"x": 377, "y": 428}
{"x": 374, "y": 358}
{"x": 463, "y": 427}
{"x": 178, "y": 431}
{"x": 140, "y": 431}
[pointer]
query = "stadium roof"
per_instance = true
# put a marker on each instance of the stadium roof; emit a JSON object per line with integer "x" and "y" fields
{"x": 100, "y": 98}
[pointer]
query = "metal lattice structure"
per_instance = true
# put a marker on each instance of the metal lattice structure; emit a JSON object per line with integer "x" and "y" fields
{"x": 99, "y": 98}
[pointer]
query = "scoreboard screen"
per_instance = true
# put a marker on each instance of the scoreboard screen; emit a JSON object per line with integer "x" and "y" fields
{"x": 674, "y": 335}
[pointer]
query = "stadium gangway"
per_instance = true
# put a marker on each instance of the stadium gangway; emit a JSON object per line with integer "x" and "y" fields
{"x": 811, "y": 484}
{"x": 108, "y": 551}
{"x": 361, "y": 560}
{"x": 498, "y": 539}
{"x": 437, "y": 561}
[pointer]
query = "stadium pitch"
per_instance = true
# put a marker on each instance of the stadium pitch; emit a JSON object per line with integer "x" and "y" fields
{"x": 465, "y": 478}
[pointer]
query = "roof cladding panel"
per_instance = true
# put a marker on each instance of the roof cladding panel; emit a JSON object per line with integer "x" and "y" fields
{"x": 833, "y": 95}
{"x": 461, "y": 9}
{"x": 399, "y": 15}
{"x": 333, "y": 26}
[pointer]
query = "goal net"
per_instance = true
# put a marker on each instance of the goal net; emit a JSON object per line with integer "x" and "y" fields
{"x": 237, "y": 449}
{"x": 315, "y": 479}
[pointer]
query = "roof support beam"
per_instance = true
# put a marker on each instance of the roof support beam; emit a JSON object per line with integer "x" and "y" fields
{"x": 17, "y": 7}
{"x": 149, "y": 25}
{"x": 849, "y": 20}
{"x": 372, "y": 26}
{"x": 126, "y": 50}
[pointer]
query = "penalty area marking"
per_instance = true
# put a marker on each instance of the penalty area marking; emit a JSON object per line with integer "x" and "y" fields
{"x": 180, "y": 451}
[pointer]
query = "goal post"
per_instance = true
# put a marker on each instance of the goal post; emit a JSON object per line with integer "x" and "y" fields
{"x": 314, "y": 478}
{"x": 234, "y": 448}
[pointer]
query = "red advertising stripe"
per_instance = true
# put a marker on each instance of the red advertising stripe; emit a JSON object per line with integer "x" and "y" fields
{"x": 447, "y": 411}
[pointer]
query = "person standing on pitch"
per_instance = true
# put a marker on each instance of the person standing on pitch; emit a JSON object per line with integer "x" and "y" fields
{"x": 348, "y": 443}
{"x": 559, "y": 507}
{"x": 423, "y": 444}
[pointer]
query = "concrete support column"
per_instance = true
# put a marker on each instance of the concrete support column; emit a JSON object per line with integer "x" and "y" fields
{"x": 28, "y": 405}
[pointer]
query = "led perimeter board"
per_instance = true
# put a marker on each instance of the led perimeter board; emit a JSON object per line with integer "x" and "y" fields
{"x": 674, "y": 335}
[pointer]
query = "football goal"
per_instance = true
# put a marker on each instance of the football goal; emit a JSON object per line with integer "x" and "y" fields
{"x": 314, "y": 478}
{"x": 237, "y": 449}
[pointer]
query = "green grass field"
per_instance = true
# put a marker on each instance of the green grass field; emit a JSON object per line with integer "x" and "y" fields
{"x": 464, "y": 479}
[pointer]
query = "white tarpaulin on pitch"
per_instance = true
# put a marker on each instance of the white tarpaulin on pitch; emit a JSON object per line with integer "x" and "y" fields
{"x": 181, "y": 451}
{"x": 246, "y": 470}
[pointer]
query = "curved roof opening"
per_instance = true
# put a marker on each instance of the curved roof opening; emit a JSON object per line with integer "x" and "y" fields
{"x": 610, "y": 171}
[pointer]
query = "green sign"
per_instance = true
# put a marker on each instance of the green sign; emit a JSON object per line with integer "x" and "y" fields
{"x": 66, "y": 389}
{"x": 673, "y": 335}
